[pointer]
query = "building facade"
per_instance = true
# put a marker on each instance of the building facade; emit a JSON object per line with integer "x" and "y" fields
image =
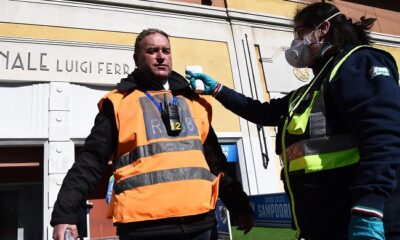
{"x": 58, "y": 58}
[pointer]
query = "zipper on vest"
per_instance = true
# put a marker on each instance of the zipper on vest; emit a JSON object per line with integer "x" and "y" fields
{"x": 286, "y": 173}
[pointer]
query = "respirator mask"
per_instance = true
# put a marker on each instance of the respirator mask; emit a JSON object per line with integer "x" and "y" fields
{"x": 298, "y": 55}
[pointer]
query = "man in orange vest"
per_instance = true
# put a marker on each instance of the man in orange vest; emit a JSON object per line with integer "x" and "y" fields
{"x": 167, "y": 160}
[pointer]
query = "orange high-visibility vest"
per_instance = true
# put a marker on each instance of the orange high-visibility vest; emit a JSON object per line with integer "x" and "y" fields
{"x": 156, "y": 175}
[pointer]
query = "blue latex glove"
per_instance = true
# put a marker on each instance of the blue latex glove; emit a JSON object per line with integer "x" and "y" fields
{"x": 366, "y": 228}
{"x": 209, "y": 83}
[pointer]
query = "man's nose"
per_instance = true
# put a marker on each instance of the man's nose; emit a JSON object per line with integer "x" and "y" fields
{"x": 160, "y": 56}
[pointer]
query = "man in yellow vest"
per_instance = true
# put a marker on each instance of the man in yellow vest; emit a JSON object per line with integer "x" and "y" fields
{"x": 167, "y": 160}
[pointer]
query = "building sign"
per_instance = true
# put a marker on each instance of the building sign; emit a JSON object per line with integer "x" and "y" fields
{"x": 38, "y": 60}
{"x": 271, "y": 210}
{"x": 303, "y": 74}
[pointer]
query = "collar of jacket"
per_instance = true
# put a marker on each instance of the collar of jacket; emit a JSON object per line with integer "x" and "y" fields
{"x": 142, "y": 81}
{"x": 337, "y": 56}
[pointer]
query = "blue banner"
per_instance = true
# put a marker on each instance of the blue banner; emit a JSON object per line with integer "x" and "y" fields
{"x": 271, "y": 210}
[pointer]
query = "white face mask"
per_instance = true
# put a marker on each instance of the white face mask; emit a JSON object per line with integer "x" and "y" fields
{"x": 298, "y": 55}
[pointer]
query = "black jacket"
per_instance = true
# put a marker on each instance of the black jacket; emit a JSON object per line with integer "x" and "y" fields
{"x": 391, "y": 216}
{"x": 358, "y": 103}
{"x": 100, "y": 145}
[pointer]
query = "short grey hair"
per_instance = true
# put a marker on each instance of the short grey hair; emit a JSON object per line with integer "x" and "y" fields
{"x": 145, "y": 33}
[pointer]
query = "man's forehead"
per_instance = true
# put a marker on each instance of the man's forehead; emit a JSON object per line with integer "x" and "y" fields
{"x": 150, "y": 45}
{"x": 155, "y": 39}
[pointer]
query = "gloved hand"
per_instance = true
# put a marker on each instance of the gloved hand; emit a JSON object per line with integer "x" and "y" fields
{"x": 210, "y": 84}
{"x": 366, "y": 228}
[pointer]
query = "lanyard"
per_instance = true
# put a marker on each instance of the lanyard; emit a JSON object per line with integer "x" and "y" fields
{"x": 296, "y": 102}
{"x": 157, "y": 104}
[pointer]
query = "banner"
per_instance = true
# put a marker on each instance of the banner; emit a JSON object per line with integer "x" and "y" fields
{"x": 271, "y": 210}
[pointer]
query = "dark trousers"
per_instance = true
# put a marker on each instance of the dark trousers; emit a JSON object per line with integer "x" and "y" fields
{"x": 210, "y": 234}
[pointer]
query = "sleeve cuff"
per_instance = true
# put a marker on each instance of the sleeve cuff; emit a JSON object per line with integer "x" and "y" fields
{"x": 366, "y": 211}
{"x": 217, "y": 89}
{"x": 369, "y": 204}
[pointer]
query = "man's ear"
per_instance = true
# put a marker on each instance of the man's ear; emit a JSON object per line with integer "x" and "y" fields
{"x": 135, "y": 59}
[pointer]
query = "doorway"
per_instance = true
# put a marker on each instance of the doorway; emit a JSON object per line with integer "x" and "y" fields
{"x": 21, "y": 193}
{"x": 9, "y": 215}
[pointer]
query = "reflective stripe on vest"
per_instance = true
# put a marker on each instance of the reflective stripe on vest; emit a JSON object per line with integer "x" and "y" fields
{"x": 325, "y": 161}
{"x": 322, "y": 153}
{"x": 319, "y": 153}
{"x": 157, "y": 148}
{"x": 154, "y": 125}
{"x": 164, "y": 176}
